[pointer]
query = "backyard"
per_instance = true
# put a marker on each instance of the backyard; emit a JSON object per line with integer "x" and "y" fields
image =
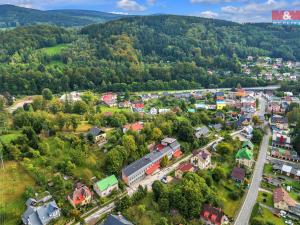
{"x": 12, "y": 203}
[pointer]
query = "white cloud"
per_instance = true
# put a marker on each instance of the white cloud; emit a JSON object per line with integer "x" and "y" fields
{"x": 151, "y": 2}
{"x": 205, "y": 1}
{"x": 254, "y": 12}
{"x": 47, "y": 4}
{"x": 119, "y": 13}
{"x": 208, "y": 14}
{"x": 130, "y": 5}
{"x": 214, "y": 1}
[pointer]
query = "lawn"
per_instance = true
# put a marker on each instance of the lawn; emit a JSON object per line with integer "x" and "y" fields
{"x": 231, "y": 207}
{"x": 14, "y": 181}
{"x": 7, "y": 138}
{"x": 268, "y": 169}
{"x": 145, "y": 212}
{"x": 266, "y": 215}
{"x": 293, "y": 183}
{"x": 92, "y": 165}
{"x": 55, "y": 50}
{"x": 113, "y": 109}
{"x": 83, "y": 127}
{"x": 295, "y": 195}
{"x": 265, "y": 198}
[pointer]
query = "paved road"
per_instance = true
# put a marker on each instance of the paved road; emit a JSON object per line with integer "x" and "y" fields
{"x": 250, "y": 200}
{"x": 20, "y": 104}
{"x": 147, "y": 182}
{"x": 93, "y": 219}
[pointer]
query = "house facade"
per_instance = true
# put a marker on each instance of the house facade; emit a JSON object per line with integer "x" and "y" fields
{"x": 238, "y": 174}
{"x": 81, "y": 195}
{"x": 109, "y": 99}
{"x": 146, "y": 165}
{"x": 245, "y": 157}
{"x": 201, "y": 159}
{"x": 214, "y": 216}
{"x": 281, "y": 140}
{"x": 138, "y": 126}
{"x": 42, "y": 214}
{"x": 105, "y": 186}
{"x": 282, "y": 200}
{"x": 201, "y": 132}
{"x": 183, "y": 168}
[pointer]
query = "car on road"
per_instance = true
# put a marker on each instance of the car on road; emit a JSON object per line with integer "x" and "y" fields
{"x": 164, "y": 180}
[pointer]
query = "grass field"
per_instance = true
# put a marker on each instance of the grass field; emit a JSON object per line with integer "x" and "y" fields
{"x": 54, "y": 50}
{"x": 266, "y": 215}
{"x": 7, "y": 138}
{"x": 230, "y": 207}
{"x": 14, "y": 181}
{"x": 268, "y": 169}
{"x": 265, "y": 198}
{"x": 113, "y": 109}
{"x": 145, "y": 212}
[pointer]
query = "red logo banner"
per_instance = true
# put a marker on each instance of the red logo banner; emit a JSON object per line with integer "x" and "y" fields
{"x": 285, "y": 15}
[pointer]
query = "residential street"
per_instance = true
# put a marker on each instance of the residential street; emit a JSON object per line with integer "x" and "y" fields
{"x": 250, "y": 200}
{"x": 147, "y": 182}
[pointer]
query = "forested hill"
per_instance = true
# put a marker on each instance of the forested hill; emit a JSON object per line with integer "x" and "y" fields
{"x": 192, "y": 38}
{"x": 13, "y": 16}
{"x": 139, "y": 53}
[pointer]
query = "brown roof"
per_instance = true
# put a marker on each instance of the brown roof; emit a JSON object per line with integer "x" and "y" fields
{"x": 280, "y": 194}
{"x": 238, "y": 173}
{"x": 185, "y": 167}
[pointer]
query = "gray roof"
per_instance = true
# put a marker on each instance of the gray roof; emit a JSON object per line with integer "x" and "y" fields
{"x": 40, "y": 215}
{"x": 201, "y": 131}
{"x": 95, "y": 131}
{"x": 148, "y": 159}
{"x": 116, "y": 220}
{"x": 279, "y": 119}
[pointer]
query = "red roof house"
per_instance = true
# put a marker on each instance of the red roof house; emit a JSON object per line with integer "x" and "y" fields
{"x": 138, "y": 107}
{"x": 138, "y": 126}
{"x": 213, "y": 215}
{"x": 182, "y": 168}
{"x": 81, "y": 195}
{"x": 109, "y": 99}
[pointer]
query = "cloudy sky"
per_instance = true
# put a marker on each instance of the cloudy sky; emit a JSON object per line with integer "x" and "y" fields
{"x": 235, "y": 10}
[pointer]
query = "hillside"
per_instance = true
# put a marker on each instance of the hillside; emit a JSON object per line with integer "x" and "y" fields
{"x": 178, "y": 37}
{"x": 13, "y": 16}
{"x": 139, "y": 53}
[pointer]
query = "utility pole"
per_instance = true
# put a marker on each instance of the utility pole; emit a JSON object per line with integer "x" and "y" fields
{"x": 1, "y": 156}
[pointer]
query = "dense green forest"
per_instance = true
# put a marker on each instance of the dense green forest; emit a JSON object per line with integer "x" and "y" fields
{"x": 139, "y": 53}
{"x": 14, "y": 16}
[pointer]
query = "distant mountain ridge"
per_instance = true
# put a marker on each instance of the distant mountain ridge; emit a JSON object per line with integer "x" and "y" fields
{"x": 14, "y": 16}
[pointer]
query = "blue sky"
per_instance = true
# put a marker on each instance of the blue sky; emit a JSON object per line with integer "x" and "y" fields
{"x": 235, "y": 10}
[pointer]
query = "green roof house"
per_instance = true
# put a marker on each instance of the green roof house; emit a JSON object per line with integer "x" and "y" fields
{"x": 245, "y": 157}
{"x": 105, "y": 186}
{"x": 248, "y": 144}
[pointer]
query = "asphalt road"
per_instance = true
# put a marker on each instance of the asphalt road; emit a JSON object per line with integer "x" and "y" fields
{"x": 147, "y": 182}
{"x": 250, "y": 200}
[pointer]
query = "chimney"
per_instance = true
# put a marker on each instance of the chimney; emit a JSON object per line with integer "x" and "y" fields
{"x": 119, "y": 215}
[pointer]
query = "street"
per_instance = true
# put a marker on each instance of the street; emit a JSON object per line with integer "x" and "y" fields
{"x": 250, "y": 200}
{"x": 147, "y": 182}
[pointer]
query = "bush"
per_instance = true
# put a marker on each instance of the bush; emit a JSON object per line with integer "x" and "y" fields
{"x": 234, "y": 196}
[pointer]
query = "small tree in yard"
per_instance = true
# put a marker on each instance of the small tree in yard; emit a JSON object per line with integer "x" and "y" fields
{"x": 164, "y": 161}
{"x": 47, "y": 94}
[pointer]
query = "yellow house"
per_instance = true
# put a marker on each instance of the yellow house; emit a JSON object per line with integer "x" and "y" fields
{"x": 220, "y": 104}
